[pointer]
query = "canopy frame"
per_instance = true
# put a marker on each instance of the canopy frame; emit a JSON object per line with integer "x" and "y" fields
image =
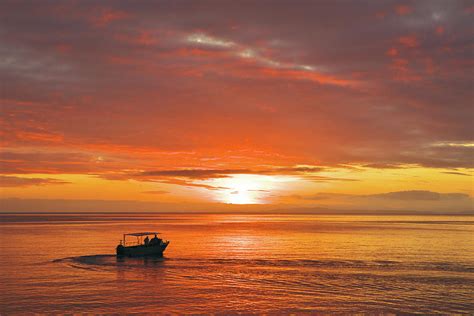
{"x": 138, "y": 235}
{"x": 142, "y": 234}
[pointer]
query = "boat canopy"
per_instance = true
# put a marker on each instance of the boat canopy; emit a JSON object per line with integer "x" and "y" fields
{"x": 142, "y": 234}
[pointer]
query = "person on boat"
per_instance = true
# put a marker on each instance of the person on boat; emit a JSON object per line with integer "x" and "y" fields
{"x": 154, "y": 240}
{"x": 147, "y": 241}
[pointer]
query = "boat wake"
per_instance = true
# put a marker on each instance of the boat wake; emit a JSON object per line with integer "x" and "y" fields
{"x": 107, "y": 260}
{"x": 97, "y": 262}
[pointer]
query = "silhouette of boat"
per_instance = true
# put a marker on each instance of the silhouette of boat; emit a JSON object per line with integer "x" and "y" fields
{"x": 143, "y": 246}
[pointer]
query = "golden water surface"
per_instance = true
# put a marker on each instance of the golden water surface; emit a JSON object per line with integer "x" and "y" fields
{"x": 57, "y": 263}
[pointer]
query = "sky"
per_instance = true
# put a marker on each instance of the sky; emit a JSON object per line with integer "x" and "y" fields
{"x": 195, "y": 105}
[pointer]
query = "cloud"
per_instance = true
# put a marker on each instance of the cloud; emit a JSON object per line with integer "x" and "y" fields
{"x": 106, "y": 16}
{"x": 326, "y": 179}
{"x": 383, "y": 166}
{"x": 13, "y": 162}
{"x": 206, "y": 40}
{"x": 268, "y": 66}
{"x": 419, "y": 195}
{"x": 154, "y": 84}
{"x": 457, "y": 173}
{"x": 157, "y": 192}
{"x": 224, "y": 173}
{"x": 411, "y": 195}
{"x": 195, "y": 177}
{"x": 194, "y": 173}
{"x": 458, "y": 144}
{"x": 410, "y": 41}
{"x": 413, "y": 200}
{"x": 320, "y": 196}
{"x": 403, "y": 9}
{"x": 11, "y": 181}
{"x": 188, "y": 183}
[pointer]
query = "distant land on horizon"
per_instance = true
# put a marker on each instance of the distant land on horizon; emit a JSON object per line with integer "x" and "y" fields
{"x": 25, "y": 206}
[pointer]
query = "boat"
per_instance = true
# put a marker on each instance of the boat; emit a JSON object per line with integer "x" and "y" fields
{"x": 142, "y": 246}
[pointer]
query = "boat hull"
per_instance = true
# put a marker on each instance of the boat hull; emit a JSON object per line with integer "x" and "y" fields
{"x": 141, "y": 250}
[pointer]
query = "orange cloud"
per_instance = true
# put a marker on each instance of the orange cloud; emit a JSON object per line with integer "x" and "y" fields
{"x": 10, "y": 181}
{"x": 410, "y": 41}
{"x": 403, "y": 9}
{"x": 158, "y": 192}
{"x": 197, "y": 52}
{"x": 146, "y": 38}
{"x": 439, "y": 30}
{"x": 306, "y": 75}
{"x": 402, "y": 72}
{"x": 106, "y": 16}
{"x": 392, "y": 52}
{"x": 45, "y": 136}
{"x": 430, "y": 66}
{"x": 142, "y": 38}
{"x": 63, "y": 48}
{"x": 192, "y": 177}
{"x": 413, "y": 195}
{"x": 121, "y": 60}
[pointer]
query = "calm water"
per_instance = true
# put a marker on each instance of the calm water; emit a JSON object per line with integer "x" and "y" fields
{"x": 239, "y": 263}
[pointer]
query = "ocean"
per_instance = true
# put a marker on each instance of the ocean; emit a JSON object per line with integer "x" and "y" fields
{"x": 238, "y": 263}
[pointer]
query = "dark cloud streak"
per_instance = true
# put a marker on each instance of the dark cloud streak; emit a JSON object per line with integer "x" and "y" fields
{"x": 10, "y": 181}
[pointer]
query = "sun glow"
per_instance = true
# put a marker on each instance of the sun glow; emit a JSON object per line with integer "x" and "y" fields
{"x": 247, "y": 188}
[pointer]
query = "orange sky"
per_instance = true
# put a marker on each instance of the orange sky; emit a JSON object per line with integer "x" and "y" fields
{"x": 190, "y": 105}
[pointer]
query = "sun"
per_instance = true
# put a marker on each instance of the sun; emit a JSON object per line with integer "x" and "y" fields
{"x": 246, "y": 188}
{"x": 242, "y": 189}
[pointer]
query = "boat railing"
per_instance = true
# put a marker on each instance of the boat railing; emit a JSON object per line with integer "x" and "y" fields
{"x": 130, "y": 243}
{"x": 138, "y": 243}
